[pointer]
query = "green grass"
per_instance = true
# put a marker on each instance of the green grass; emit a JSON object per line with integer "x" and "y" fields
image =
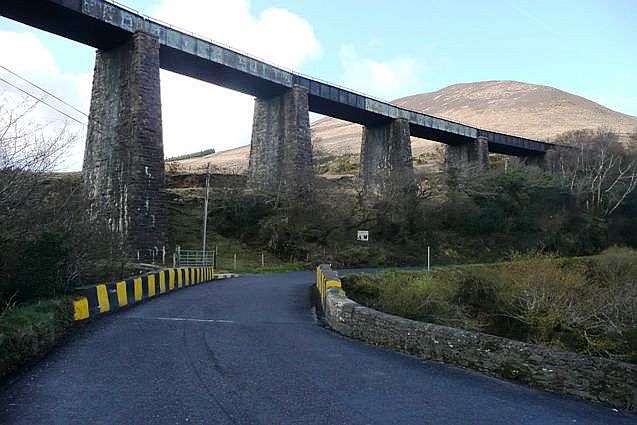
{"x": 29, "y": 331}
{"x": 191, "y": 155}
{"x": 281, "y": 268}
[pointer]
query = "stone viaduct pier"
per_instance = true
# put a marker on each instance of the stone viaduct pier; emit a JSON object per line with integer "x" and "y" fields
{"x": 124, "y": 168}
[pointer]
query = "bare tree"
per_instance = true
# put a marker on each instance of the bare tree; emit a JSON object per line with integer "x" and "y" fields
{"x": 600, "y": 170}
{"x": 27, "y": 149}
{"x": 41, "y": 213}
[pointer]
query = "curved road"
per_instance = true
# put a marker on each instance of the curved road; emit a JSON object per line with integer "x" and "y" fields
{"x": 249, "y": 351}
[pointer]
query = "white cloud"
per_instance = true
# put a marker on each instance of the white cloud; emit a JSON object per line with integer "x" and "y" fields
{"x": 22, "y": 53}
{"x": 399, "y": 76}
{"x": 196, "y": 115}
{"x": 199, "y": 115}
{"x": 13, "y": 49}
{"x": 276, "y": 35}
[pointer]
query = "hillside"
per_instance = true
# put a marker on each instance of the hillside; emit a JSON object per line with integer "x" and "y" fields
{"x": 529, "y": 110}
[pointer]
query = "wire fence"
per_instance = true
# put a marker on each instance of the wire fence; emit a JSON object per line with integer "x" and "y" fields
{"x": 228, "y": 259}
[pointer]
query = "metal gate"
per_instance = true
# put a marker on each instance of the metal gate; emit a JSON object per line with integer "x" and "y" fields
{"x": 194, "y": 258}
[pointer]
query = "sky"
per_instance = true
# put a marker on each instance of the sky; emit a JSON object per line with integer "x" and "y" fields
{"x": 387, "y": 49}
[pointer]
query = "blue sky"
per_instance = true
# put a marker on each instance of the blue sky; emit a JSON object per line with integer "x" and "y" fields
{"x": 587, "y": 47}
{"x": 385, "y": 48}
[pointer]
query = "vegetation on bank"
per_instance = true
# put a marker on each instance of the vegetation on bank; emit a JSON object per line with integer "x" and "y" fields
{"x": 48, "y": 244}
{"x": 580, "y": 206}
{"x": 29, "y": 331}
{"x": 191, "y": 155}
{"x": 185, "y": 215}
{"x": 587, "y": 304}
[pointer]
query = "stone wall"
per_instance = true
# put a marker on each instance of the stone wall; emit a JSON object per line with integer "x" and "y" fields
{"x": 124, "y": 158}
{"x": 590, "y": 378}
{"x": 386, "y": 159}
{"x": 281, "y": 146}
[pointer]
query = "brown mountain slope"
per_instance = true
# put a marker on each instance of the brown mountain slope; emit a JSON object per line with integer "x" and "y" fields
{"x": 529, "y": 110}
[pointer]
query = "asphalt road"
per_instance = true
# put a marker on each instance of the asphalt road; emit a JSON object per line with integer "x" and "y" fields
{"x": 249, "y": 350}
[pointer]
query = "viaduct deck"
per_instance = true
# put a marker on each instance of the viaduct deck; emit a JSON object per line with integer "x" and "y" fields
{"x": 104, "y": 25}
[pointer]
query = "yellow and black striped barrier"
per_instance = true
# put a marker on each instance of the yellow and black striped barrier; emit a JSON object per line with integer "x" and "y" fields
{"x": 326, "y": 278}
{"x": 107, "y": 297}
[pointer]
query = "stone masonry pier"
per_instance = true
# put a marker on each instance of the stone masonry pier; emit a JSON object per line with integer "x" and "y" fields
{"x": 281, "y": 147}
{"x": 473, "y": 155}
{"x": 124, "y": 158}
{"x": 386, "y": 160}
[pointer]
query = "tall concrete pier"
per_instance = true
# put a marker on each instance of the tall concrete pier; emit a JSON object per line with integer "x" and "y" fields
{"x": 473, "y": 155}
{"x": 281, "y": 148}
{"x": 386, "y": 159}
{"x": 124, "y": 159}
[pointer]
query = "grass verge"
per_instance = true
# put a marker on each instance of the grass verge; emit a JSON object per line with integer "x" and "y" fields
{"x": 29, "y": 331}
{"x": 279, "y": 268}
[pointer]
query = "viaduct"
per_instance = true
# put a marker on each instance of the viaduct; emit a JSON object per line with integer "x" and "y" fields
{"x": 124, "y": 161}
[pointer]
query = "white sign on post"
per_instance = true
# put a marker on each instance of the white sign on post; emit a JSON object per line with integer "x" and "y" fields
{"x": 363, "y": 235}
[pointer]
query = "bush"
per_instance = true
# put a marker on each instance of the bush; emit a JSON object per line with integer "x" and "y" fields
{"x": 31, "y": 330}
{"x": 613, "y": 265}
{"x": 478, "y": 293}
{"x": 42, "y": 269}
{"x": 587, "y": 305}
{"x": 411, "y": 295}
{"x": 50, "y": 246}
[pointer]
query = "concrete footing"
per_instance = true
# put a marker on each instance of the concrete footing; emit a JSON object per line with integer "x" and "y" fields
{"x": 468, "y": 156}
{"x": 124, "y": 158}
{"x": 386, "y": 160}
{"x": 281, "y": 146}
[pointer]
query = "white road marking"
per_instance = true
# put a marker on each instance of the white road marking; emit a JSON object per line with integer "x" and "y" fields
{"x": 183, "y": 319}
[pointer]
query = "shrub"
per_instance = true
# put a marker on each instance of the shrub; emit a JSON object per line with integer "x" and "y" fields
{"x": 31, "y": 330}
{"x": 478, "y": 293}
{"x": 613, "y": 265}
{"x": 42, "y": 269}
{"x": 588, "y": 305}
{"x": 410, "y": 295}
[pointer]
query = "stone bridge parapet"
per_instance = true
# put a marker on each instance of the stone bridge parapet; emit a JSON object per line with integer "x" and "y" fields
{"x": 591, "y": 378}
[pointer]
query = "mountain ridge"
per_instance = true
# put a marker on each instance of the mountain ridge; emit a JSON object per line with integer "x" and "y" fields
{"x": 534, "y": 111}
